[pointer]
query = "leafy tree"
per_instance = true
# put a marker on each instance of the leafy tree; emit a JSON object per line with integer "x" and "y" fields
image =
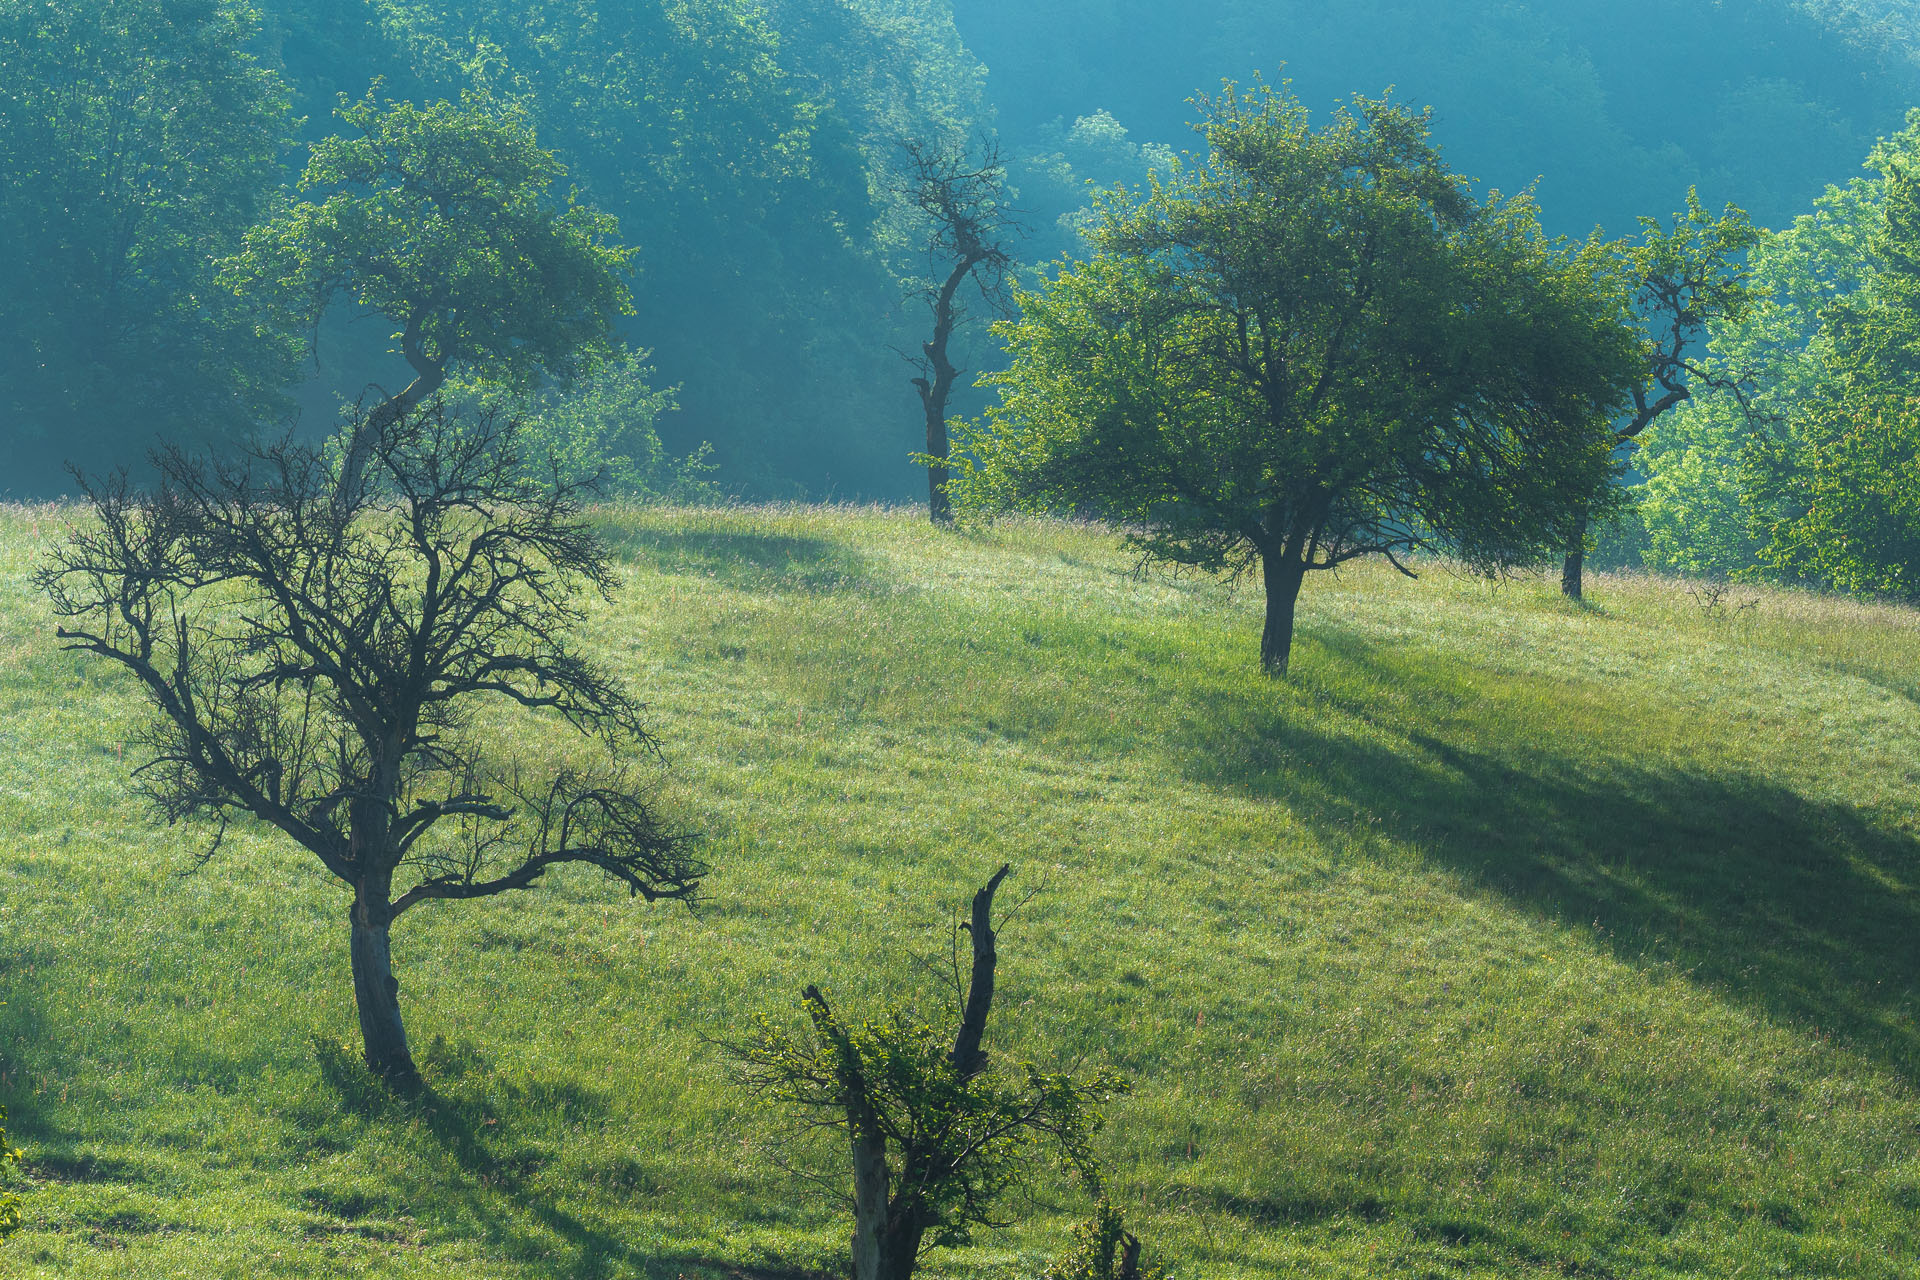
{"x": 968, "y": 230}
{"x": 1313, "y": 346}
{"x": 1686, "y": 278}
{"x": 749, "y": 148}
{"x": 323, "y": 666}
{"x": 439, "y": 219}
{"x": 1694, "y": 502}
{"x": 137, "y": 143}
{"x": 1840, "y": 491}
{"x": 937, "y": 1134}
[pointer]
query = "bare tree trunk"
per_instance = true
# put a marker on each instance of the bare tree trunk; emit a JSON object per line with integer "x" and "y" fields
{"x": 1571, "y": 571}
{"x": 966, "y": 1057}
{"x": 934, "y": 392}
{"x": 430, "y": 377}
{"x": 1284, "y": 574}
{"x": 376, "y": 992}
{"x": 939, "y": 505}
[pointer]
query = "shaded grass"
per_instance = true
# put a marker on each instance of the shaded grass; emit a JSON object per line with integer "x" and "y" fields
{"x": 1506, "y": 939}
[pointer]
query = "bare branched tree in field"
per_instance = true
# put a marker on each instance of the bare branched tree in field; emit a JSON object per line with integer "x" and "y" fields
{"x": 969, "y": 226}
{"x": 317, "y": 663}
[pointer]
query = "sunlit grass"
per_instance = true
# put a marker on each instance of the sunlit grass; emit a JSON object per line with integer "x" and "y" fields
{"x": 1507, "y": 938}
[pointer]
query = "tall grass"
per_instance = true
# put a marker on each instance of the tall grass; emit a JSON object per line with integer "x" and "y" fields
{"x": 1507, "y": 938}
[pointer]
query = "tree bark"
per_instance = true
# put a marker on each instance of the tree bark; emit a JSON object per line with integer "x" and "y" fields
{"x": 376, "y": 992}
{"x": 886, "y": 1238}
{"x": 967, "y": 1058}
{"x": 869, "y": 1205}
{"x": 1284, "y": 574}
{"x": 430, "y": 376}
{"x": 900, "y": 1253}
{"x": 939, "y": 505}
{"x": 1572, "y": 570}
{"x": 934, "y": 392}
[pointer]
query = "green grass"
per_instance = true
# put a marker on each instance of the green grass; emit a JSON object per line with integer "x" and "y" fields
{"x": 1508, "y": 938}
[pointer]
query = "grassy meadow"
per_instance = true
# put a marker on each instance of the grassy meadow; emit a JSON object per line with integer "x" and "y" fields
{"x": 1507, "y": 938}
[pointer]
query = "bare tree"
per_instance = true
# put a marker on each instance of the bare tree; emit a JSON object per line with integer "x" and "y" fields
{"x": 318, "y": 664}
{"x": 969, "y": 225}
{"x": 936, "y": 1134}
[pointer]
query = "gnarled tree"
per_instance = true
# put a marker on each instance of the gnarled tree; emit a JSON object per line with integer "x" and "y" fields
{"x": 320, "y": 666}
{"x": 968, "y": 227}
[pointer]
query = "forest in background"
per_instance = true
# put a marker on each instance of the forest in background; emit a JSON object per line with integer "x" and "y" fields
{"x": 751, "y": 153}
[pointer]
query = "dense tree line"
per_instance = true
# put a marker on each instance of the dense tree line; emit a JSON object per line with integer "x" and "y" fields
{"x": 751, "y": 155}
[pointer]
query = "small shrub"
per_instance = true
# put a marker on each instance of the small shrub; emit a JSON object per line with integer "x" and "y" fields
{"x": 1103, "y": 1249}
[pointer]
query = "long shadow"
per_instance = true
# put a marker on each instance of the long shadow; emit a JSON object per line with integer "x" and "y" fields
{"x": 747, "y": 560}
{"x": 1800, "y": 908}
{"x": 32, "y": 1051}
{"x": 472, "y": 1136}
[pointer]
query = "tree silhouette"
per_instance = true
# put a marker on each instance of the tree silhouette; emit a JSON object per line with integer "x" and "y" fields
{"x": 319, "y": 663}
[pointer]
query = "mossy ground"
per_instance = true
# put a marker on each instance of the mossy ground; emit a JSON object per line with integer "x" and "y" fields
{"x": 1506, "y": 938}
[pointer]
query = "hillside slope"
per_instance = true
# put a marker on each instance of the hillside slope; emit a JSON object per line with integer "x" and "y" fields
{"x": 1507, "y": 939}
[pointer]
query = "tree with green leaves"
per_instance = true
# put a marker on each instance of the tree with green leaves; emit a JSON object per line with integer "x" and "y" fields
{"x": 1695, "y": 503}
{"x": 938, "y": 1134}
{"x": 1838, "y": 493}
{"x": 1686, "y": 278}
{"x": 443, "y": 219}
{"x": 138, "y": 142}
{"x": 1311, "y": 346}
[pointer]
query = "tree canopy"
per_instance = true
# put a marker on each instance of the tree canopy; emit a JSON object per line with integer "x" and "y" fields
{"x": 440, "y": 218}
{"x": 1313, "y": 345}
{"x": 1837, "y": 497}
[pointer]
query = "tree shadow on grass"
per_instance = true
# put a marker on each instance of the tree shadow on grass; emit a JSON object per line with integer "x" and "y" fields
{"x": 746, "y": 560}
{"x": 500, "y": 1187}
{"x": 34, "y": 1064}
{"x": 1799, "y": 908}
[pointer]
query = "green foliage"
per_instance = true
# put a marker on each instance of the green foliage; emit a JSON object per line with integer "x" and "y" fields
{"x": 1832, "y": 495}
{"x": 600, "y": 432}
{"x": 1065, "y": 168}
{"x": 1692, "y": 504}
{"x": 9, "y": 1201}
{"x": 956, "y": 1143}
{"x": 138, "y": 140}
{"x": 1851, "y": 481}
{"x": 440, "y": 218}
{"x": 1705, "y": 509}
{"x": 1098, "y": 1252}
{"x": 1312, "y": 347}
